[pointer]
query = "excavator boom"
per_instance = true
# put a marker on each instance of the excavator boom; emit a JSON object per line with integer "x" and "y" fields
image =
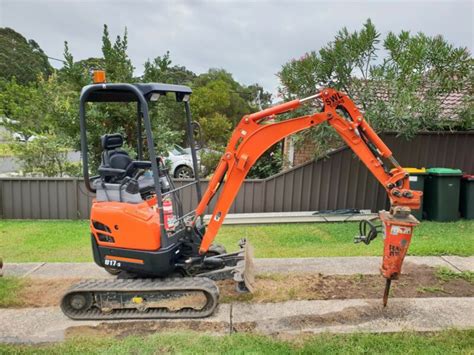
{"x": 254, "y": 135}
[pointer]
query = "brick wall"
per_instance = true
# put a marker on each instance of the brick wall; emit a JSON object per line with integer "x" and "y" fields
{"x": 303, "y": 152}
{"x": 297, "y": 154}
{"x": 287, "y": 163}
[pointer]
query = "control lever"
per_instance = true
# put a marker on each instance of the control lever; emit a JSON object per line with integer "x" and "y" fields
{"x": 132, "y": 186}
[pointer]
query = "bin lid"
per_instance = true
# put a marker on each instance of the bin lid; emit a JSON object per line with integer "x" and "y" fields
{"x": 468, "y": 177}
{"x": 415, "y": 171}
{"x": 444, "y": 171}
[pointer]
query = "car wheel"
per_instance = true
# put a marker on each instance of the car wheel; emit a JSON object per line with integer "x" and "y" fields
{"x": 184, "y": 172}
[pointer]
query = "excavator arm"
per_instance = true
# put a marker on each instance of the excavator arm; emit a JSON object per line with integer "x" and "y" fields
{"x": 255, "y": 134}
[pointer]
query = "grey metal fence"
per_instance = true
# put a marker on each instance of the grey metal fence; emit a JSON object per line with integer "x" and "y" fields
{"x": 337, "y": 181}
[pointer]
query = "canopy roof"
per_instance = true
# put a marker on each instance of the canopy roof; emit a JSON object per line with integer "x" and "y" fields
{"x": 111, "y": 92}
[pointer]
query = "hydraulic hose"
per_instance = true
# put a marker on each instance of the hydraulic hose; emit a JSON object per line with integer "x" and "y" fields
{"x": 368, "y": 231}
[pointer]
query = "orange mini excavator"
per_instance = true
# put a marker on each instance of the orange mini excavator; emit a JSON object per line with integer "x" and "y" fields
{"x": 165, "y": 259}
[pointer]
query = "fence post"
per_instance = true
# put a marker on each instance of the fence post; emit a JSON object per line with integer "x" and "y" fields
{"x": 76, "y": 199}
{"x": 1, "y": 199}
{"x": 264, "y": 195}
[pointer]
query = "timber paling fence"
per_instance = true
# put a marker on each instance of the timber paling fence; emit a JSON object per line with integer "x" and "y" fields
{"x": 337, "y": 181}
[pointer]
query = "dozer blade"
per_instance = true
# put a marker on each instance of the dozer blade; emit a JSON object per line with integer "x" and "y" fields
{"x": 245, "y": 270}
{"x": 238, "y": 266}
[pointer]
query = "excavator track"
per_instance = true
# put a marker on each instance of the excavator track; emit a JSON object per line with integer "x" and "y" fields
{"x": 192, "y": 297}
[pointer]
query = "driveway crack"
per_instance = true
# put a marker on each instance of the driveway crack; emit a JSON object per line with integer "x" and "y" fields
{"x": 450, "y": 263}
{"x": 34, "y": 269}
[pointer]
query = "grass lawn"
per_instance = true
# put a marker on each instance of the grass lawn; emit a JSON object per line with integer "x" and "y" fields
{"x": 68, "y": 241}
{"x": 10, "y": 287}
{"x": 447, "y": 342}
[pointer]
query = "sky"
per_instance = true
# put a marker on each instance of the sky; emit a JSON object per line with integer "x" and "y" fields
{"x": 250, "y": 39}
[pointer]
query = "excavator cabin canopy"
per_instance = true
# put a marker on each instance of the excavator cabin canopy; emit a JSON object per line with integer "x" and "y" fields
{"x": 142, "y": 94}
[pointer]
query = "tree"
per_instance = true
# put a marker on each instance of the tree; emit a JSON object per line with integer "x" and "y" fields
{"x": 78, "y": 74}
{"x": 211, "y": 98}
{"x": 45, "y": 155}
{"x": 160, "y": 70}
{"x": 167, "y": 115}
{"x": 217, "y": 94}
{"x": 219, "y": 102}
{"x": 102, "y": 118}
{"x": 417, "y": 76}
{"x": 402, "y": 92}
{"x": 270, "y": 163}
{"x": 47, "y": 106}
{"x": 27, "y": 107}
{"x": 35, "y": 111}
{"x": 117, "y": 63}
{"x": 21, "y": 58}
{"x": 258, "y": 97}
{"x": 216, "y": 129}
{"x": 217, "y": 91}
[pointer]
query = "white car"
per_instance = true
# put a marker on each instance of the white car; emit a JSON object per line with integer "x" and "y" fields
{"x": 181, "y": 162}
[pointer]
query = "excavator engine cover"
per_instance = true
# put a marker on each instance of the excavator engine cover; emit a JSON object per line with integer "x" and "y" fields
{"x": 397, "y": 231}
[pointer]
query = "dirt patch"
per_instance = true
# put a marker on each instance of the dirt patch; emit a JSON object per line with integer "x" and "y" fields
{"x": 351, "y": 315}
{"x": 244, "y": 327}
{"x": 417, "y": 281}
{"x": 124, "y": 329}
{"x": 44, "y": 293}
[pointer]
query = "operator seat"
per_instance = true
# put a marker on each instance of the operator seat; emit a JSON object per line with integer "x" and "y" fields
{"x": 114, "y": 157}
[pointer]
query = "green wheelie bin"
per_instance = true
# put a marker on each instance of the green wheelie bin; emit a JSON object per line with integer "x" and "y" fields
{"x": 441, "y": 198}
{"x": 417, "y": 182}
{"x": 466, "y": 206}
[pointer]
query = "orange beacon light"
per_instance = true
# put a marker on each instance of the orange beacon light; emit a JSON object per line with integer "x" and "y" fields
{"x": 98, "y": 76}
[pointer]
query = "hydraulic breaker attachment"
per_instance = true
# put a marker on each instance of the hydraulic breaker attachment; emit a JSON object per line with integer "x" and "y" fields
{"x": 397, "y": 230}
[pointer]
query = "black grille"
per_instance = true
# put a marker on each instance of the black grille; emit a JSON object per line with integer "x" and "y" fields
{"x": 101, "y": 227}
{"x": 105, "y": 238}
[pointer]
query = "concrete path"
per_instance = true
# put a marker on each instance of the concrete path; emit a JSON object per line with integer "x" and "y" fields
{"x": 41, "y": 325}
{"x": 366, "y": 265}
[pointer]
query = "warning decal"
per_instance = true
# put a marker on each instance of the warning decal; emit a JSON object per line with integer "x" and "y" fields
{"x": 396, "y": 230}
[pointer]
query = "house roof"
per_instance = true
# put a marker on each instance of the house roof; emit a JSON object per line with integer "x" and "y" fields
{"x": 450, "y": 104}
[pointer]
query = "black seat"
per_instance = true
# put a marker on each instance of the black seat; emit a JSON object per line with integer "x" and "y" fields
{"x": 116, "y": 164}
{"x": 113, "y": 157}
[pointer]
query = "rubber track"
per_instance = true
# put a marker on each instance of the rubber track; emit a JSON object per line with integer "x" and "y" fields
{"x": 207, "y": 286}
